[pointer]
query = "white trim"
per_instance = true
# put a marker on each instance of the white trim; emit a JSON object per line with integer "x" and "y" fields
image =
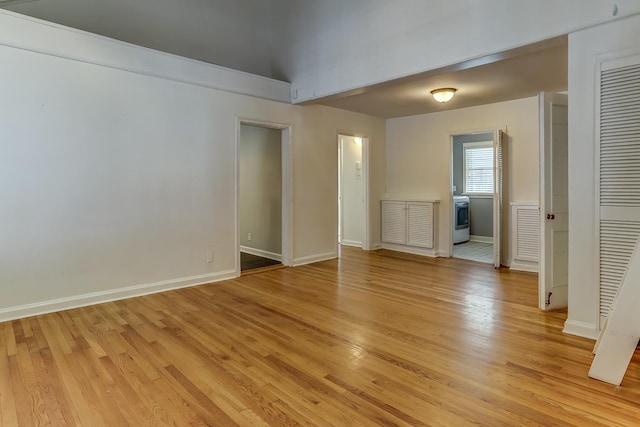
{"x": 481, "y": 239}
{"x": 523, "y": 204}
{"x": 351, "y": 243}
{"x": 478, "y": 195}
{"x": 287, "y": 196}
{"x": 68, "y": 303}
{"x": 619, "y": 59}
{"x": 521, "y": 265}
{"x": 581, "y": 329}
{"x": 452, "y": 134}
{"x": 474, "y": 146}
{"x": 261, "y": 253}
{"x": 314, "y": 258}
{"x": 596, "y": 196}
{"x": 35, "y": 35}
{"x": 432, "y": 253}
{"x": 287, "y": 188}
{"x": 365, "y": 150}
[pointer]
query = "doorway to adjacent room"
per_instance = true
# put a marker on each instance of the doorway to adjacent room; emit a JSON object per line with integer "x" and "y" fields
{"x": 263, "y": 195}
{"x": 352, "y": 191}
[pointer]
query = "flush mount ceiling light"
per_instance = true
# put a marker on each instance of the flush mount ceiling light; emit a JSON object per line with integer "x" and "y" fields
{"x": 443, "y": 95}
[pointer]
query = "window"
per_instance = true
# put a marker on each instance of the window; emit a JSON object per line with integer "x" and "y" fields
{"x": 478, "y": 167}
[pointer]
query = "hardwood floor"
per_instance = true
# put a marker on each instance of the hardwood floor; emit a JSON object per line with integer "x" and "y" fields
{"x": 370, "y": 339}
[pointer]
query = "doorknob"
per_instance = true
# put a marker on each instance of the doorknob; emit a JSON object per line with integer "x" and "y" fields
{"x": 551, "y": 216}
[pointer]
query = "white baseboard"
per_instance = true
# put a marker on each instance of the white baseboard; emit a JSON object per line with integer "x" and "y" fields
{"x": 314, "y": 258}
{"x": 351, "y": 243}
{"x": 581, "y": 329}
{"x": 261, "y": 253}
{"x": 376, "y": 246}
{"x": 60, "y": 304}
{"x": 521, "y": 265}
{"x": 410, "y": 249}
{"x": 442, "y": 254}
{"x": 482, "y": 239}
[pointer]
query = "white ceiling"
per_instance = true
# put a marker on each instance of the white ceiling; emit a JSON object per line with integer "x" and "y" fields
{"x": 516, "y": 74}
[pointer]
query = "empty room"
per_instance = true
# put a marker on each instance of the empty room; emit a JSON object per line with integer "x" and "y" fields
{"x": 440, "y": 203}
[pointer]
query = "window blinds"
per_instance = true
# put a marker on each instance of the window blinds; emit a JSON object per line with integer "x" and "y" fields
{"x": 478, "y": 168}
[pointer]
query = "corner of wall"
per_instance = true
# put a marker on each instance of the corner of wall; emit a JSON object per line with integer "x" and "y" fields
{"x": 580, "y": 329}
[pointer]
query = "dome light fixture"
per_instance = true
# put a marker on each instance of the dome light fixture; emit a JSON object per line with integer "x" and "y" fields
{"x": 443, "y": 95}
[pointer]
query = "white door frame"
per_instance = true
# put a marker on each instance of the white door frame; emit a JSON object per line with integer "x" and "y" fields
{"x": 493, "y": 131}
{"x": 366, "y": 141}
{"x": 287, "y": 188}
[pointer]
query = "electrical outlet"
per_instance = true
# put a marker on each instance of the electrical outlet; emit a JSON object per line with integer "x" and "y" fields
{"x": 209, "y": 257}
{"x": 249, "y": 236}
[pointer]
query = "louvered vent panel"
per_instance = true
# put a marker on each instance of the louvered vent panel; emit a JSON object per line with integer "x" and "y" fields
{"x": 420, "y": 224}
{"x": 619, "y": 176}
{"x": 393, "y": 222}
{"x": 620, "y": 137}
{"x": 527, "y": 225}
{"x": 617, "y": 241}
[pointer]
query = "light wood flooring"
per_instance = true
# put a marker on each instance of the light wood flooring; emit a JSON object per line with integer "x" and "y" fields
{"x": 370, "y": 339}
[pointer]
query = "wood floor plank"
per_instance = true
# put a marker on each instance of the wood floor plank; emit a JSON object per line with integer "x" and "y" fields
{"x": 372, "y": 338}
{"x": 8, "y": 414}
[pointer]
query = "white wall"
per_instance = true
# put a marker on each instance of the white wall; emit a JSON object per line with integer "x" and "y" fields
{"x": 330, "y": 46}
{"x": 353, "y": 213}
{"x": 260, "y": 198}
{"x": 117, "y": 182}
{"x": 586, "y": 47}
{"x": 419, "y": 155}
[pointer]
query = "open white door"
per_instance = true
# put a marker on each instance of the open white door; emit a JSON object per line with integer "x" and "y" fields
{"x": 498, "y": 137}
{"x": 553, "y": 277}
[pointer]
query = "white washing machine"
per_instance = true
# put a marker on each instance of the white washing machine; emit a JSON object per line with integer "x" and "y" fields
{"x": 460, "y": 219}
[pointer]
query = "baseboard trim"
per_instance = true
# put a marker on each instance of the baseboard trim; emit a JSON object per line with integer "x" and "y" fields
{"x": 410, "y": 249}
{"x": 351, "y": 243}
{"x": 68, "y": 303}
{"x": 261, "y": 253}
{"x": 530, "y": 266}
{"x": 314, "y": 258}
{"x": 442, "y": 254}
{"x": 482, "y": 239}
{"x": 581, "y": 329}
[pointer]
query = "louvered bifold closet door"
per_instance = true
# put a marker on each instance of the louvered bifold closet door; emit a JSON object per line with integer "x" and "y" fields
{"x": 619, "y": 173}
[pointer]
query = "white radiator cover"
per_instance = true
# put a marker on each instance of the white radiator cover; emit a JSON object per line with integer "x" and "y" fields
{"x": 525, "y": 236}
{"x": 410, "y": 226}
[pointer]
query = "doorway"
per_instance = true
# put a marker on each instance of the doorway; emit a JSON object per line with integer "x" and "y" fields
{"x": 352, "y": 191}
{"x": 476, "y": 168}
{"x": 262, "y": 196}
{"x": 553, "y": 277}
